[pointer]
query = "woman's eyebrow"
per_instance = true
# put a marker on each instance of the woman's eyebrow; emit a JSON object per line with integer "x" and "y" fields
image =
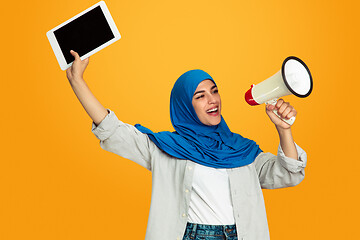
{"x": 201, "y": 91}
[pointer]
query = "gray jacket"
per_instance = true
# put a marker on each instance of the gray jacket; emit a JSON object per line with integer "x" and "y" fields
{"x": 172, "y": 181}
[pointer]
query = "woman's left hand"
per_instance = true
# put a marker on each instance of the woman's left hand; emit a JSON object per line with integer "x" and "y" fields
{"x": 284, "y": 109}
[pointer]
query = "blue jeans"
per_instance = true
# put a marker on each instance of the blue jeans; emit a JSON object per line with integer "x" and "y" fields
{"x": 210, "y": 232}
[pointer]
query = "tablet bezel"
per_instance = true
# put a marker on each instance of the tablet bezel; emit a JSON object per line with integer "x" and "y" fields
{"x": 55, "y": 45}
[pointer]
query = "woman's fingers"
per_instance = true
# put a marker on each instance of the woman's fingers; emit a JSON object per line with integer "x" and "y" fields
{"x": 77, "y": 68}
{"x": 75, "y": 54}
{"x": 84, "y": 62}
{"x": 285, "y": 110}
{"x": 279, "y": 103}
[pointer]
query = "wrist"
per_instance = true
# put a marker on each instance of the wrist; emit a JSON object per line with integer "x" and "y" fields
{"x": 77, "y": 80}
{"x": 283, "y": 131}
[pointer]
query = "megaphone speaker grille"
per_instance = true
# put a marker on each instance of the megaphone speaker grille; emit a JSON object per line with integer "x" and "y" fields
{"x": 297, "y": 77}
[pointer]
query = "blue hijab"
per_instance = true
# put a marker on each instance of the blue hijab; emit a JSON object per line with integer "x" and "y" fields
{"x": 212, "y": 146}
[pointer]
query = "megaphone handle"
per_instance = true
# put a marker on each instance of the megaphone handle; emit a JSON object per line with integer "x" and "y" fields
{"x": 288, "y": 121}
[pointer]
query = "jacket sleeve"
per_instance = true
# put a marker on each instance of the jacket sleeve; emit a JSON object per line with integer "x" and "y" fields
{"x": 124, "y": 140}
{"x": 280, "y": 171}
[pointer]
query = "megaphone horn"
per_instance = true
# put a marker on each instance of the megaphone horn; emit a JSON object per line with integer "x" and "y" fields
{"x": 294, "y": 77}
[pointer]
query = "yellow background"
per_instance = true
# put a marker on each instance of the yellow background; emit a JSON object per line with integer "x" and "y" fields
{"x": 57, "y": 183}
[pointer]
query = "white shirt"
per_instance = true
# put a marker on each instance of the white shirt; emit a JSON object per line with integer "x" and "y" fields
{"x": 210, "y": 201}
{"x": 172, "y": 180}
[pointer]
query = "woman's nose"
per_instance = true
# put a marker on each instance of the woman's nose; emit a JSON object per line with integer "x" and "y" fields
{"x": 212, "y": 100}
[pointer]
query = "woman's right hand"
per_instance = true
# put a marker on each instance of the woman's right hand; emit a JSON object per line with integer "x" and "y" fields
{"x": 76, "y": 71}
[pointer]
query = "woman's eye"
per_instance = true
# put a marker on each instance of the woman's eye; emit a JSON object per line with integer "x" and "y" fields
{"x": 199, "y": 96}
{"x": 216, "y": 91}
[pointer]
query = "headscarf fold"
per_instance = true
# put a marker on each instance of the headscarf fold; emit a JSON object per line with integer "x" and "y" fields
{"x": 212, "y": 146}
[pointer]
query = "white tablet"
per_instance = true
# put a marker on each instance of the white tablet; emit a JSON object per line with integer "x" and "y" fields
{"x": 86, "y": 33}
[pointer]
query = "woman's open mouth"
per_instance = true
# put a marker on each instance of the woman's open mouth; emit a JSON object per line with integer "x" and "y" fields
{"x": 213, "y": 111}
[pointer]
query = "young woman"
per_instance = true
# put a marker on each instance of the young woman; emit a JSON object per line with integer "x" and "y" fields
{"x": 206, "y": 180}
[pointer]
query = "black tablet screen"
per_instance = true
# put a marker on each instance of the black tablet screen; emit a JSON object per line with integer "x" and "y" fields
{"x": 84, "y": 34}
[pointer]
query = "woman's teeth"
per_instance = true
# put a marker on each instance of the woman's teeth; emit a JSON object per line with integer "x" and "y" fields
{"x": 212, "y": 110}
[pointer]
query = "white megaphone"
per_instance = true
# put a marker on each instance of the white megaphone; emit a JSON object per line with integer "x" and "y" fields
{"x": 293, "y": 78}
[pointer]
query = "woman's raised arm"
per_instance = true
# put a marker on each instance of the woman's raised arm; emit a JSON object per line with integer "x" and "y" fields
{"x": 92, "y": 106}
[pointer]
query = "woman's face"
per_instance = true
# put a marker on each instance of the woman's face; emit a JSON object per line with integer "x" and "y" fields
{"x": 207, "y": 103}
